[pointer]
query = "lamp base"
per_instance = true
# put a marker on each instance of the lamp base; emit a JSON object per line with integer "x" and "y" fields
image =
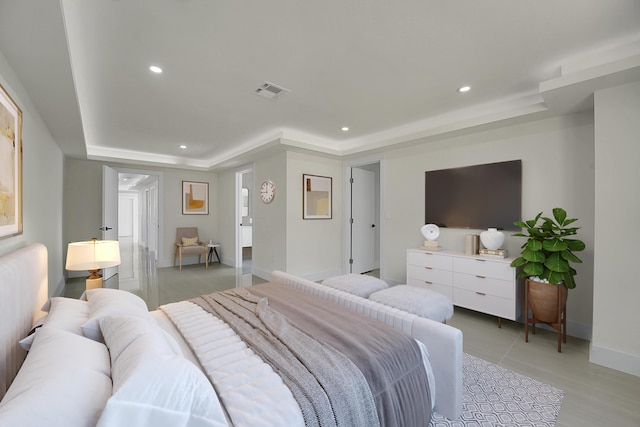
{"x": 94, "y": 280}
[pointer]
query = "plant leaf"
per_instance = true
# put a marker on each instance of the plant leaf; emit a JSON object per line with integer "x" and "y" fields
{"x": 560, "y": 215}
{"x": 533, "y": 256}
{"x": 555, "y": 277}
{"x": 569, "y": 281}
{"x": 533, "y": 269}
{"x": 556, "y": 263}
{"x": 534, "y": 245}
{"x": 518, "y": 262}
{"x": 569, "y": 256}
{"x": 575, "y": 245}
{"x": 554, "y": 245}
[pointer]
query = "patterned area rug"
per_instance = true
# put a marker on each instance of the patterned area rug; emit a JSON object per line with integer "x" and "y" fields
{"x": 495, "y": 396}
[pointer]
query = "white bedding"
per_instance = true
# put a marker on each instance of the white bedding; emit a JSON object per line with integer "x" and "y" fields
{"x": 220, "y": 352}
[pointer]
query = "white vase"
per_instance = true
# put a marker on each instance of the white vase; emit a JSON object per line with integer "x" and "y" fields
{"x": 492, "y": 238}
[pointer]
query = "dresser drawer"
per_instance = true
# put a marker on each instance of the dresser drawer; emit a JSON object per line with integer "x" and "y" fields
{"x": 428, "y": 259}
{"x": 487, "y": 285}
{"x": 489, "y": 304}
{"x": 444, "y": 290}
{"x": 488, "y": 268}
{"x": 428, "y": 274}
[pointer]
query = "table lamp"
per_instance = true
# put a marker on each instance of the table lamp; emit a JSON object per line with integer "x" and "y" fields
{"x": 93, "y": 255}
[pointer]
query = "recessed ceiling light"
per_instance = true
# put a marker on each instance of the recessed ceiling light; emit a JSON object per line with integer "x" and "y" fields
{"x": 464, "y": 89}
{"x": 184, "y": 147}
{"x": 155, "y": 69}
{"x": 345, "y": 128}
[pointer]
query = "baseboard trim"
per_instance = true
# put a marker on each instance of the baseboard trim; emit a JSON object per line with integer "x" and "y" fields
{"x": 614, "y": 359}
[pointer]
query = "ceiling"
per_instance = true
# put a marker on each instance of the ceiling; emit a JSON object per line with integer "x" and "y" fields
{"x": 388, "y": 70}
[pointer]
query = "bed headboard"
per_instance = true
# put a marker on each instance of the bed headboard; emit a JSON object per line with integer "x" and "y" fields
{"x": 24, "y": 288}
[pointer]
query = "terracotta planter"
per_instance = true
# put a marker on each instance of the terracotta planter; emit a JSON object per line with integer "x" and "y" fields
{"x": 543, "y": 300}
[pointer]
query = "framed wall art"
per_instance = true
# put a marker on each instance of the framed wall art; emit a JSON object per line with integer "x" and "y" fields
{"x": 10, "y": 166}
{"x": 316, "y": 197}
{"x": 195, "y": 198}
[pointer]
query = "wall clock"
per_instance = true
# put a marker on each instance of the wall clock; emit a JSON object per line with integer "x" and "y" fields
{"x": 267, "y": 191}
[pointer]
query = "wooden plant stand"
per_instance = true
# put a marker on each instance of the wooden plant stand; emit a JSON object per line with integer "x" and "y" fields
{"x": 555, "y": 316}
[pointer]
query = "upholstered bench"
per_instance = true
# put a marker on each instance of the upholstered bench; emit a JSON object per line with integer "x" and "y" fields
{"x": 419, "y": 301}
{"x": 361, "y": 285}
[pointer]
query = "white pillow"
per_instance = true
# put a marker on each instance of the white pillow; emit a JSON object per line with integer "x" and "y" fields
{"x": 64, "y": 381}
{"x": 111, "y": 302}
{"x": 152, "y": 386}
{"x": 67, "y": 314}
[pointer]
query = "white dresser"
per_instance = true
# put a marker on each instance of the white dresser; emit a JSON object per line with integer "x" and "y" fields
{"x": 484, "y": 284}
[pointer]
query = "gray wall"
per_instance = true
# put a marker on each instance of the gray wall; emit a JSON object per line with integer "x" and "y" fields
{"x": 42, "y": 182}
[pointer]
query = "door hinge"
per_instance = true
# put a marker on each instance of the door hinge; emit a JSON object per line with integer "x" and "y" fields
{"x": 350, "y": 260}
{"x": 351, "y": 220}
{"x": 350, "y": 180}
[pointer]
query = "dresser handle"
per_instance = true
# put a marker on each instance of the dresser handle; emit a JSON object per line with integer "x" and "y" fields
{"x": 428, "y": 283}
{"x": 481, "y": 260}
{"x": 480, "y": 277}
{"x": 480, "y": 293}
{"x": 428, "y": 268}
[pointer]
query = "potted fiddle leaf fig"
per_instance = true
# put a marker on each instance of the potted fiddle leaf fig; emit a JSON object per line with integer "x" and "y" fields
{"x": 549, "y": 249}
{"x": 545, "y": 262}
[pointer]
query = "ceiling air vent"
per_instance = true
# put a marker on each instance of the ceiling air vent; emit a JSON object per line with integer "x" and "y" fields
{"x": 270, "y": 91}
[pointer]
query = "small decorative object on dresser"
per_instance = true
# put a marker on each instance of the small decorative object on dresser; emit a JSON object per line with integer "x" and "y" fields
{"x": 545, "y": 260}
{"x": 430, "y": 232}
{"x": 492, "y": 238}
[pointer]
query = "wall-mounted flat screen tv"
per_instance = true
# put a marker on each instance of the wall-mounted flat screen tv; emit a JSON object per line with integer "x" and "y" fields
{"x": 476, "y": 197}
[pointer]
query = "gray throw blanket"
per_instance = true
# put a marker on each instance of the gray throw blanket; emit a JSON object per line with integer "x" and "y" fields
{"x": 389, "y": 360}
{"x": 329, "y": 388}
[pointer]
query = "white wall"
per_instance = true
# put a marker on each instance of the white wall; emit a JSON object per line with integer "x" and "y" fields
{"x": 270, "y": 220}
{"x": 616, "y": 336}
{"x": 558, "y": 171}
{"x": 314, "y": 248}
{"x": 42, "y": 179}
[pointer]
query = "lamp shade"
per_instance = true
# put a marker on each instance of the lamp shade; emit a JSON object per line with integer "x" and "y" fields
{"x": 93, "y": 255}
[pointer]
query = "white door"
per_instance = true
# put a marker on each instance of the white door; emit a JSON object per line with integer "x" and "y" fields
{"x": 109, "y": 211}
{"x": 363, "y": 217}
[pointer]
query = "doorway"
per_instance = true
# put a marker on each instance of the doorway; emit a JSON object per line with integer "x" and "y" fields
{"x": 137, "y": 201}
{"x": 363, "y": 200}
{"x": 244, "y": 219}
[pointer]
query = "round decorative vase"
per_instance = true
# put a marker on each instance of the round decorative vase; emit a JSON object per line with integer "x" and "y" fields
{"x": 492, "y": 238}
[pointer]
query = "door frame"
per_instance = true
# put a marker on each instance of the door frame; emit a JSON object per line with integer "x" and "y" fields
{"x": 238, "y": 209}
{"x": 346, "y": 208}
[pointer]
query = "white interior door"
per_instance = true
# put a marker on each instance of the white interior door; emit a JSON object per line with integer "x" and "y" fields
{"x": 109, "y": 211}
{"x": 363, "y": 220}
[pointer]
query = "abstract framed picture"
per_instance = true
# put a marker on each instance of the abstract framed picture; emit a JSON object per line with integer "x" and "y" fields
{"x": 10, "y": 166}
{"x": 195, "y": 198}
{"x": 316, "y": 197}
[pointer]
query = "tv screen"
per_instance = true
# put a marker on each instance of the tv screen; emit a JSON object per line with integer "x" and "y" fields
{"x": 477, "y": 197}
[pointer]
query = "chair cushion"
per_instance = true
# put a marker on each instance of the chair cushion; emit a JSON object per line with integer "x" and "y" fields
{"x": 190, "y": 241}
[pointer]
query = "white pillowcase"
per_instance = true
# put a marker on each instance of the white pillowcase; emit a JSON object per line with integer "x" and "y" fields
{"x": 67, "y": 314}
{"x": 64, "y": 381}
{"x": 152, "y": 385}
{"x": 111, "y": 302}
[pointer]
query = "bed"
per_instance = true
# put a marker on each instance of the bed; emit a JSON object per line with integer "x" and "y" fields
{"x": 103, "y": 362}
